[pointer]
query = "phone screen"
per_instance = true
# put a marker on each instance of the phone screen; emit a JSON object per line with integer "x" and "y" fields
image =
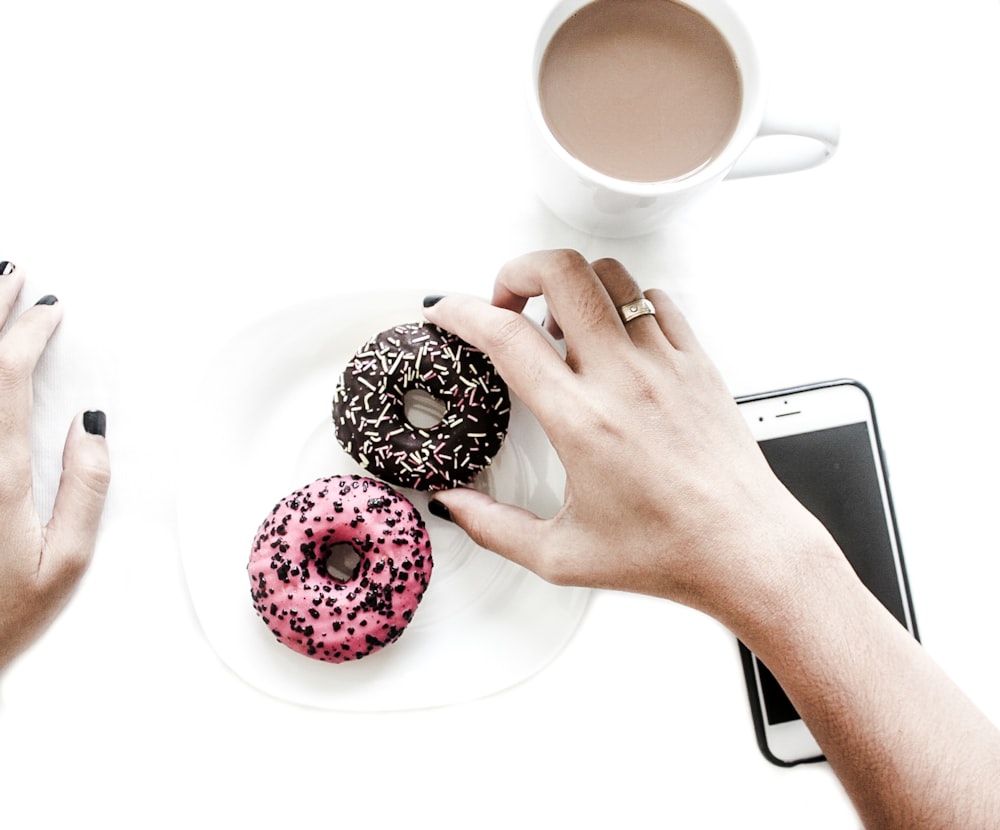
{"x": 833, "y": 473}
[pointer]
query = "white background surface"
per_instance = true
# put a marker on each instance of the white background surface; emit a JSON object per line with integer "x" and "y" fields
{"x": 175, "y": 171}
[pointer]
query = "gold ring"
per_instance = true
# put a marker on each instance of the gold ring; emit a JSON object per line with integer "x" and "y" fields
{"x": 636, "y": 308}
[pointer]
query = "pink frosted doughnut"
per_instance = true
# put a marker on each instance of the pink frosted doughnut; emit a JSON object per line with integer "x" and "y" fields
{"x": 311, "y": 611}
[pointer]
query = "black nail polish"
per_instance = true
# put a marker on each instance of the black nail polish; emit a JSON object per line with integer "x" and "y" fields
{"x": 439, "y": 510}
{"x": 6, "y": 268}
{"x": 432, "y": 299}
{"x": 95, "y": 422}
{"x": 48, "y": 299}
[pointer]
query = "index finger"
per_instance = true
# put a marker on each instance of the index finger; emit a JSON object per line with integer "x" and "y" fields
{"x": 573, "y": 290}
{"x": 525, "y": 359}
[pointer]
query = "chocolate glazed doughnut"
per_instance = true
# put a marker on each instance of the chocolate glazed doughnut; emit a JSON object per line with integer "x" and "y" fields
{"x": 371, "y": 424}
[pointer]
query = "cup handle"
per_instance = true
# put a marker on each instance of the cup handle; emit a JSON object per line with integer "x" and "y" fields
{"x": 786, "y": 145}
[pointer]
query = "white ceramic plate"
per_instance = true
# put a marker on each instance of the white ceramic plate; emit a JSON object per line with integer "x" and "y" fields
{"x": 264, "y": 429}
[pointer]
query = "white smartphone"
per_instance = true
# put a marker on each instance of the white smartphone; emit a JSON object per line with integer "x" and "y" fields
{"x": 823, "y": 443}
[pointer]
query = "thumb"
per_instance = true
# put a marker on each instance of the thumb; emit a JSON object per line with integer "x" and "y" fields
{"x": 71, "y": 533}
{"x": 514, "y": 533}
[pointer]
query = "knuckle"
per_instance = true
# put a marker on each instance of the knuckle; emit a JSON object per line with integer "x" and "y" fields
{"x": 567, "y": 259}
{"x": 511, "y": 331}
{"x": 484, "y": 526}
{"x": 609, "y": 263}
{"x": 94, "y": 479}
{"x": 564, "y": 265}
{"x": 13, "y": 371}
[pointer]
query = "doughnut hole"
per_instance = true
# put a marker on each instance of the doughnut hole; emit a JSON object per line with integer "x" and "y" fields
{"x": 341, "y": 563}
{"x": 422, "y": 409}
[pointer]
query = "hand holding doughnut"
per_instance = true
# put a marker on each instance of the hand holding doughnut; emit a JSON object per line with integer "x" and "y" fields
{"x": 666, "y": 492}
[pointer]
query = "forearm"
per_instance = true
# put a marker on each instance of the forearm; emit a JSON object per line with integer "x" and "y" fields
{"x": 909, "y": 747}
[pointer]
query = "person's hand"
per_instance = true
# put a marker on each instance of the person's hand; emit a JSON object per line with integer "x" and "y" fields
{"x": 40, "y": 565}
{"x": 667, "y": 492}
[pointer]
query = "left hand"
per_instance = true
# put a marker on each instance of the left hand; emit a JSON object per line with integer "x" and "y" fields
{"x": 40, "y": 565}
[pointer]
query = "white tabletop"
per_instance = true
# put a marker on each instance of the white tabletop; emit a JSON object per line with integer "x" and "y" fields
{"x": 174, "y": 172}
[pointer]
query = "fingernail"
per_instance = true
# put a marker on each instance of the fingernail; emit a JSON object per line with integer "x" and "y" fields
{"x": 95, "y": 422}
{"x": 48, "y": 299}
{"x": 6, "y": 268}
{"x": 439, "y": 510}
{"x": 432, "y": 299}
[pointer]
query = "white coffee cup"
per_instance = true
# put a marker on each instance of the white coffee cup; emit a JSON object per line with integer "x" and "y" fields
{"x": 603, "y": 205}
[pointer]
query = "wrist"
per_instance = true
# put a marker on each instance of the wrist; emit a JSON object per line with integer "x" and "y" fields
{"x": 780, "y": 572}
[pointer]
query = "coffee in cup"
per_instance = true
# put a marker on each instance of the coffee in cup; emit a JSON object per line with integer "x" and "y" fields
{"x": 639, "y": 105}
{"x": 642, "y": 91}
